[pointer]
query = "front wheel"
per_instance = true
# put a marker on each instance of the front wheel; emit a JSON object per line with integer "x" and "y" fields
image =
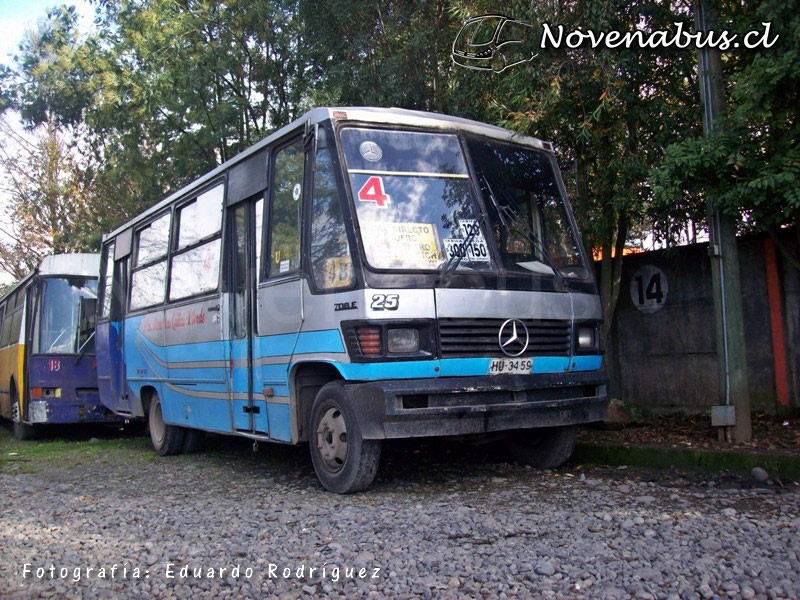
{"x": 545, "y": 448}
{"x": 167, "y": 439}
{"x": 343, "y": 461}
{"x": 22, "y": 431}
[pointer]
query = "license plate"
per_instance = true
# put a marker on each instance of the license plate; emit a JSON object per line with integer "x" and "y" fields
{"x": 505, "y": 366}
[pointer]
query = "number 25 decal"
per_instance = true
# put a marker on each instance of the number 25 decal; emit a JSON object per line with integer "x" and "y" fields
{"x": 385, "y": 302}
{"x": 372, "y": 191}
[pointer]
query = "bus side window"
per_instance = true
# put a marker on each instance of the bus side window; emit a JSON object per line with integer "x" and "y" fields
{"x": 107, "y": 280}
{"x": 2, "y": 320}
{"x": 284, "y": 225}
{"x": 16, "y": 324}
{"x": 195, "y": 263}
{"x": 259, "y": 235}
{"x": 331, "y": 263}
{"x": 5, "y": 337}
{"x": 148, "y": 282}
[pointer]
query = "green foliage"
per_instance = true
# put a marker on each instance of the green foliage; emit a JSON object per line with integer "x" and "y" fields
{"x": 610, "y": 111}
{"x": 51, "y": 86}
{"x": 750, "y": 167}
{"x": 165, "y": 90}
{"x": 390, "y": 53}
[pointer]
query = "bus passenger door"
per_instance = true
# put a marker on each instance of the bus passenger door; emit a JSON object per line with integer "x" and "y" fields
{"x": 279, "y": 297}
{"x": 247, "y": 401}
{"x": 110, "y": 332}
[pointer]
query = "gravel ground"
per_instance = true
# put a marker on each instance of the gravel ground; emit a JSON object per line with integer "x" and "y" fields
{"x": 441, "y": 520}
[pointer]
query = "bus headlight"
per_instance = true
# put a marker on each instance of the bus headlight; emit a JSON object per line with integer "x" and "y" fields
{"x": 587, "y": 338}
{"x": 403, "y": 341}
{"x": 389, "y": 339}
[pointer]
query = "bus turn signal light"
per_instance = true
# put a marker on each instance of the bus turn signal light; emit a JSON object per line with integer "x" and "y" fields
{"x": 38, "y": 392}
{"x": 369, "y": 340}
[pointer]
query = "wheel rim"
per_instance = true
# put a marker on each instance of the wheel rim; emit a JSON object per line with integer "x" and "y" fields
{"x": 332, "y": 438}
{"x": 157, "y": 427}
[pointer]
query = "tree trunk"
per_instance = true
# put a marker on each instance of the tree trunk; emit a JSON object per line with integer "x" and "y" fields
{"x": 610, "y": 278}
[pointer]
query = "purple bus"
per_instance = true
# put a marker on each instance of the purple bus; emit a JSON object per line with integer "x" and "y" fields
{"x": 48, "y": 369}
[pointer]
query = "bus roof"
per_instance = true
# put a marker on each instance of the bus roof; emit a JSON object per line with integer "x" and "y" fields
{"x": 387, "y": 116}
{"x": 71, "y": 264}
{"x": 80, "y": 264}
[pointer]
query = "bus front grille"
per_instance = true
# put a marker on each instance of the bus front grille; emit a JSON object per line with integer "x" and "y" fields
{"x": 479, "y": 337}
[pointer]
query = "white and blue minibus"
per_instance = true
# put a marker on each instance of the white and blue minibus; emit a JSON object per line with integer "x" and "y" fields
{"x": 359, "y": 275}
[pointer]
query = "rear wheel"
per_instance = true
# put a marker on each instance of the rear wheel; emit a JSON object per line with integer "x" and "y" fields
{"x": 545, "y": 448}
{"x": 193, "y": 440}
{"x": 343, "y": 461}
{"x": 167, "y": 439}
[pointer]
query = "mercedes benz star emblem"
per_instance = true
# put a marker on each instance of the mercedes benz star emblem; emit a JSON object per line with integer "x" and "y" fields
{"x": 513, "y": 338}
{"x": 370, "y": 151}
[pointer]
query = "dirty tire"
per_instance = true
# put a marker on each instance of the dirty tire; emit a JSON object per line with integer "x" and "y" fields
{"x": 167, "y": 439}
{"x": 193, "y": 440}
{"x": 343, "y": 461}
{"x": 22, "y": 431}
{"x": 545, "y": 448}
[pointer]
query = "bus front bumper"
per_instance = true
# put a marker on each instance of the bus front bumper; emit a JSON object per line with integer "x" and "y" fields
{"x": 467, "y": 405}
{"x": 82, "y": 408}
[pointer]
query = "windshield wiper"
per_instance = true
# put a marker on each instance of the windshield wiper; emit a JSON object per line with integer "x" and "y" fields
{"x": 82, "y": 349}
{"x": 508, "y": 213}
{"x": 452, "y": 263}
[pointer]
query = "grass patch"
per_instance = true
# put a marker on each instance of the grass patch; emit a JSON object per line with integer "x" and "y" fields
{"x": 690, "y": 459}
{"x": 67, "y": 447}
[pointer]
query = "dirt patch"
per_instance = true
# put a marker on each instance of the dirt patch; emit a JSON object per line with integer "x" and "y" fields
{"x": 770, "y": 434}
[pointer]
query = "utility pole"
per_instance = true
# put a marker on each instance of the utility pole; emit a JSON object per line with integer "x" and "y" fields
{"x": 733, "y": 414}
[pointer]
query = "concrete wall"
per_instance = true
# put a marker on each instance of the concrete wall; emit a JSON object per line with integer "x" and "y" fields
{"x": 666, "y": 360}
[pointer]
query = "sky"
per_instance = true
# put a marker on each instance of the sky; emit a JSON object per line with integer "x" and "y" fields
{"x": 18, "y": 15}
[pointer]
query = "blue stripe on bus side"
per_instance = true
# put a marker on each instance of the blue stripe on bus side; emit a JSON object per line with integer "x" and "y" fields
{"x": 280, "y": 425}
{"x": 328, "y": 340}
{"x": 241, "y": 420}
{"x": 276, "y": 377}
{"x": 199, "y": 351}
{"x": 323, "y": 341}
{"x": 204, "y": 413}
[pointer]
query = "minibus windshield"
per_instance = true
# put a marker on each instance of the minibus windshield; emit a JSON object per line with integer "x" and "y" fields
{"x": 58, "y": 327}
{"x": 529, "y": 220}
{"x": 414, "y": 200}
{"x": 417, "y": 211}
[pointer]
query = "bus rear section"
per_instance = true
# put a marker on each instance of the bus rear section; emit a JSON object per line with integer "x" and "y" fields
{"x": 360, "y": 275}
{"x": 55, "y": 380}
